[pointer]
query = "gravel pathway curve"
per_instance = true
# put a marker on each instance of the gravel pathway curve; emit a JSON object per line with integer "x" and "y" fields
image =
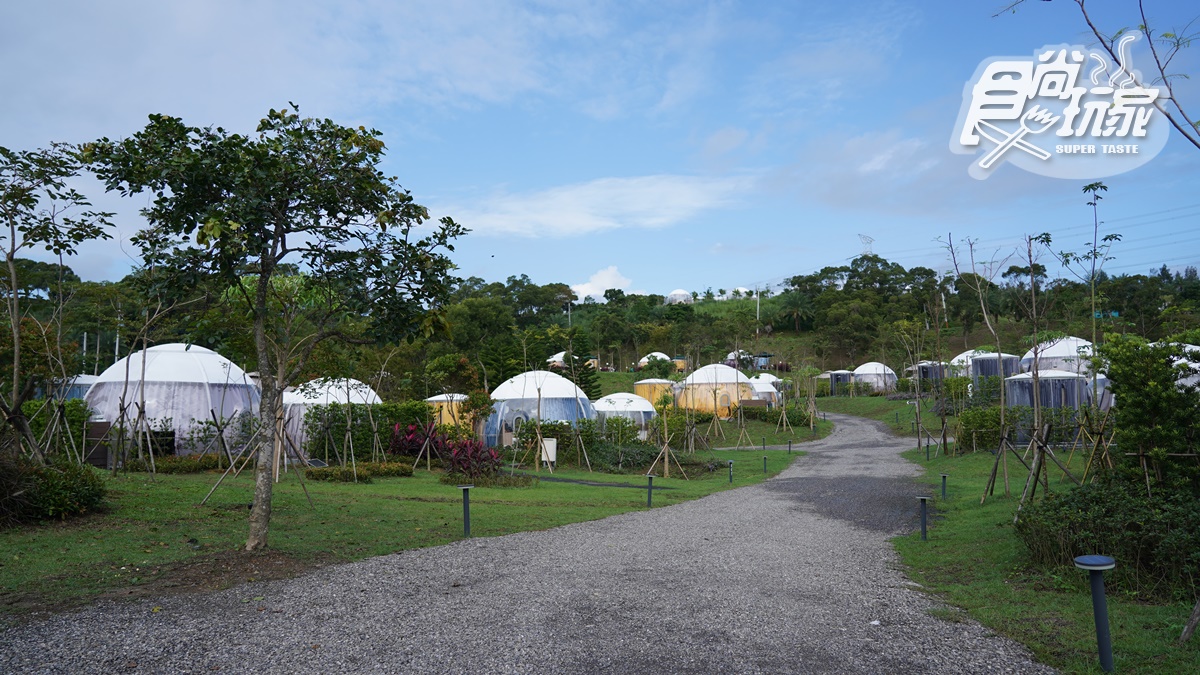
{"x": 792, "y": 576}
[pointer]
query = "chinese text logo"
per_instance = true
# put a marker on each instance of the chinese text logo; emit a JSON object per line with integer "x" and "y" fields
{"x": 1046, "y": 115}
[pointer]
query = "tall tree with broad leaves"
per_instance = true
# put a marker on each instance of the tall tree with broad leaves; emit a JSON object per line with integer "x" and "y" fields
{"x": 244, "y": 208}
{"x": 38, "y": 210}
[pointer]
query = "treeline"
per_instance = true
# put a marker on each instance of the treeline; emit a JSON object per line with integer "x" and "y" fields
{"x": 486, "y": 332}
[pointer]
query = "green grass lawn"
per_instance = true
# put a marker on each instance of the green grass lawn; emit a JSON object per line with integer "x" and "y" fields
{"x": 143, "y": 538}
{"x": 974, "y": 560}
{"x": 611, "y": 383}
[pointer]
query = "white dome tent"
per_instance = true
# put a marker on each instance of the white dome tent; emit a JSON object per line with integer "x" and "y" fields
{"x": 960, "y": 366}
{"x": 765, "y": 377}
{"x": 992, "y": 364}
{"x": 679, "y": 296}
{"x": 1069, "y": 354}
{"x": 645, "y": 360}
{"x": 537, "y": 394}
{"x": 878, "y": 376}
{"x": 715, "y": 388}
{"x": 630, "y": 406}
{"x": 183, "y": 386}
{"x": 321, "y": 391}
{"x": 765, "y": 391}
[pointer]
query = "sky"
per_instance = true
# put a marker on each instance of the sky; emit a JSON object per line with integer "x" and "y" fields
{"x": 645, "y": 146}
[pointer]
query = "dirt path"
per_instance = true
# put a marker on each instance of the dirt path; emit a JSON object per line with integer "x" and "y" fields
{"x": 794, "y": 575}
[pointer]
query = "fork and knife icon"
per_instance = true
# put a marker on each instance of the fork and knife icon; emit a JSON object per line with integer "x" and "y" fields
{"x": 1034, "y": 121}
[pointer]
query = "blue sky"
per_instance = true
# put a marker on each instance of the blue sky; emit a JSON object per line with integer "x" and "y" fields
{"x": 642, "y": 146}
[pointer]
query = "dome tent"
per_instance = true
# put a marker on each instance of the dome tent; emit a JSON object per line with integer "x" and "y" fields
{"x": 877, "y": 375}
{"x": 183, "y": 386}
{"x": 537, "y": 394}
{"x": 1068, "y": 354}
{"x": 960, "y": 366}
{"x": 679, "y": 296}
{"x": 74, "y": 387}
{"x": 715, "y": 388}
{"x": 764, "y": 377}
{"x": 992, "y": 364}
{"x": 1057, "y": 389}
{"x": 630, "y": 406}
{"x": 652, "y": 389}
{"x": 652, "y": 355}
{"x": 839, "y": 380}
{"x": 765, "y": 391}
{"x": 446, "y": 408}
{"x": 297, "y": 401}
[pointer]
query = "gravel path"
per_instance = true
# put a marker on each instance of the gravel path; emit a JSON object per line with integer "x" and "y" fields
{"x": 792, "y": 576}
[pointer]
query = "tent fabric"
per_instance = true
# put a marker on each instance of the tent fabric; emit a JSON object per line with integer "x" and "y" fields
{"x": 1069, "y": 354}
{"x": 75, "y": 387}
{"x": 679, "y": 296}
{"x": 558, "y": 359}
{"x": 652, "y": 389}
{"x": 537, "y": 394}
{"x": 715, "y": 388}
{"x": 877, "y": 375}
{"x": 1057, "y": 389}
{"x": 629, "y": 406}
{"x": 322, "y": 391}
{"x": 961, "y": 364}
{"x": 765, "y": 391}
{"x": 537, "y": 383}
{"x": 653, "y": 355}
{"x": 991, "y": 364}
{"x": 183, "y": 386}
{"x": 764, "y": 377}
{"x": 446, "y": 408}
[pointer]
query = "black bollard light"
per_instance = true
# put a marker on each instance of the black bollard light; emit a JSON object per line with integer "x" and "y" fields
{"x": 764, "y": 463}
{"x": 789, "y": 447}
{"x": 649, "y": 490}
{"x": 944, "y": 486}
{"x": 466, "y": 490}
{"x": 764, "y": 443}
{"x": 1095, "y": 565}
{"x": 924, "y": 515}
{"x": 731, "y": 471}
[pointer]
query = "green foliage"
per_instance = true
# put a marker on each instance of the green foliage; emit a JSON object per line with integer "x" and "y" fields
{"x": 620, "y": 430}
{"x": 498, "y": 480}
{"x": 630, "y": 457}
{"x": 385, "y": 469}
{"x": 796, "y": 415}
{"x": 332, "y": 418}
{"x": 75, "y": 414}
{"x": 980, "y": 428}
{"x": 1155, "y": 539}
{"x": 472, "y": 459}
{"x": 64, "y": 489}
{"x": 338, "y": 474}
{"x": 658, "y": 368}
{"x": 1157, "y": 414}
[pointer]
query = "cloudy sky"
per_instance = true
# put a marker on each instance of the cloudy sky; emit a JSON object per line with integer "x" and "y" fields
{"x": 643, "y": 146}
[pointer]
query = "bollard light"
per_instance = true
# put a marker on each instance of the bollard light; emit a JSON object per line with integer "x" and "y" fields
{"x": 649, "y": 490}
{"x": 731, "y": 471}
{"x": 764, "y": 443}
{"x": 466, "y": 490}
{"x": 1095, "y": 565}
{"x": 924, "y": 515}
{"x": 944, "y": 486}
{"x": 764, "y": 463}
{"x": 790, "y": 445}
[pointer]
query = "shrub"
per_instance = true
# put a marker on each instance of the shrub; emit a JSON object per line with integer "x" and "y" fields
{"x": 66, "y": 489}
{"x": 326, "y": 425}
{"x": 1155, "y": 540}
{"x": 338, "y": 474}
{"x": 472, "y": 459}
{"x": 41, "y": 412}
{"x": 622, "y": 458}
{"x": 980, "y": 428}
{"x": 385, "y": 469}
{"x": 18, "y": 487}
{"x": 797, "y": 416}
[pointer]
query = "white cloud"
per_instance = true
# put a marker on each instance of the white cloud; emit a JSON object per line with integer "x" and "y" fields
{"x": 599, "y": 205}
{"x": 601, "y": 281}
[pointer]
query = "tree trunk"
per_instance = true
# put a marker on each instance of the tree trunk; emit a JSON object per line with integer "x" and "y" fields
{"x": 260, "y": 510}
{"x": 1191, "y": 624}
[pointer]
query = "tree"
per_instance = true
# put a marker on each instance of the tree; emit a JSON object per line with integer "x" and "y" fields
{"x": 38, "y": 210}
{"x": 1164, "y": 47}
{"x": 300, "y": 191}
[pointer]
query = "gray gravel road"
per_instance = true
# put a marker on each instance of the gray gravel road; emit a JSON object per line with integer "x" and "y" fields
{"x": 792, "y": 576}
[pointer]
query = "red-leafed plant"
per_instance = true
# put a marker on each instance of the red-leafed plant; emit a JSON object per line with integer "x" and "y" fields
{"x": 472, "y": 459}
